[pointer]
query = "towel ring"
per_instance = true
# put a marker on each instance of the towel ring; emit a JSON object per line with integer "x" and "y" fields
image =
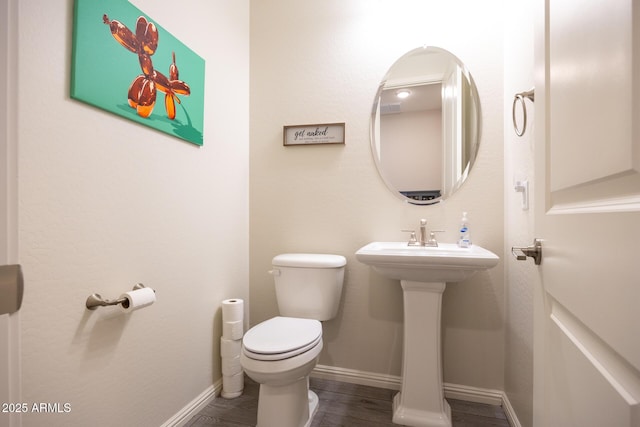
{"x": 520, "y": 97}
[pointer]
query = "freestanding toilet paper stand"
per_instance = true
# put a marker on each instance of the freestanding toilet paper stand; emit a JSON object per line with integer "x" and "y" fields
{"x": 95, "y": 300}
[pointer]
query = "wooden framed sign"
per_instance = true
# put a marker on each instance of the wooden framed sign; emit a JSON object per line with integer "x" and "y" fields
{"x": 328, "y": 133}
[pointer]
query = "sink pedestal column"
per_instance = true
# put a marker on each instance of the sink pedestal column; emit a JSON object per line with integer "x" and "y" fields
{"x": 421, "y": 400}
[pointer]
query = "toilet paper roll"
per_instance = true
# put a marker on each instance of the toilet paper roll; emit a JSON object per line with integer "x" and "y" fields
{"x": 233, "y": 330}
{"x": 231, "y": 365}
{"x": 232, "y": 310}
{"x": 230, "y": 348}
{"x": 232, "y": 385}
{"x": 137, "y": 299}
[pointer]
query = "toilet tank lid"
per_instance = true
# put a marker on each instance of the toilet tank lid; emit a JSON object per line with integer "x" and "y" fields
{"x": 309, "y": 260}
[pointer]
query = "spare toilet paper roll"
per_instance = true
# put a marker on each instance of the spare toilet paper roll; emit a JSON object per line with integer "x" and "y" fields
{"x": 232, "y": 310}
{"x": 231, "y": 365}
{"x": 232, "y": 385}
{"x": 233, "y": 330}
{"x": 137, "y": 299}
{"x": 230, "y": 348}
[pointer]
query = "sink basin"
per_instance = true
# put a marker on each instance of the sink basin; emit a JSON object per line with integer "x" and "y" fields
{"x": 445, "y": 263}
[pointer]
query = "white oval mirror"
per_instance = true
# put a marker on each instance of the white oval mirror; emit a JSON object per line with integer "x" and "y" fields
{"x": 425, "y": 125}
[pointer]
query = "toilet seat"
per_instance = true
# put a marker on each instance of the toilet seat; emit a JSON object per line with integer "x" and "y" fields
{"x": 281, "y": 338}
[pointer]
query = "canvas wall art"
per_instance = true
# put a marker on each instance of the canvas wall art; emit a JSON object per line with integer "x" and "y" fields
{"x": 126, "y": 63}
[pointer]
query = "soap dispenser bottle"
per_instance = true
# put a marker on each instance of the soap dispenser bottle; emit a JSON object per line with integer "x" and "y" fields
{"x": 465, "y": 235}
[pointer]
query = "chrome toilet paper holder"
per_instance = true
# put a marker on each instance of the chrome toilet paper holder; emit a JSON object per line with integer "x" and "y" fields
{"x": 95, "y": 300}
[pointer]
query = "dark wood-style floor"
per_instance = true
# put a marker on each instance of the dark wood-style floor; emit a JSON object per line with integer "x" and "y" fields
{"x": 341, "y": 405}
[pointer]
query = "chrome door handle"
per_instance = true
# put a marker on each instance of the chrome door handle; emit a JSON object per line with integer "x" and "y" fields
{"x": 11, "y": 288}
{"x": 534, "y": 251}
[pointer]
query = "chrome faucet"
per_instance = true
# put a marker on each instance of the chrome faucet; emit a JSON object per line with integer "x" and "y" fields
{"x": 423, "y": 232}
{"x": 424, "y": 241}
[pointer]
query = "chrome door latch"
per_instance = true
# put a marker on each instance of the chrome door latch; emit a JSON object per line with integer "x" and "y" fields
{"x": 534, "y": 251}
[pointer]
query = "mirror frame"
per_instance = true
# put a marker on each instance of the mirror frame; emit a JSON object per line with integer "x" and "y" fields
{"x": 474, "y": 145}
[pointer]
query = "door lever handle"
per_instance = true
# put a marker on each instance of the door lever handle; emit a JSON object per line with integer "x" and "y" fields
{"x": 534, "y": 251}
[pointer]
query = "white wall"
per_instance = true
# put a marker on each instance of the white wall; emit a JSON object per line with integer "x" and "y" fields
{"x": 321, "y": 62}
{"x": 106, "y": 203}
{"x": 519, "y": 225}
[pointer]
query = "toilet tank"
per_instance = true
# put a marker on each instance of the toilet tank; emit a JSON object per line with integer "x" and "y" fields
{"x": 308, "y": 285}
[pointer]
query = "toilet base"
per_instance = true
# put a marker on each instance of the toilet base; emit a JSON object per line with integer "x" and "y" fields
{"x": 313, "y": 407}
{"x": 292, "y": 405}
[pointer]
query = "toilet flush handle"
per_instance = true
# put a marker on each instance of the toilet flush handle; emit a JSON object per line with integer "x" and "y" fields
{"x": 274, "y": 272}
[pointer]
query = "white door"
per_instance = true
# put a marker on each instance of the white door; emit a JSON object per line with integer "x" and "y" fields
{"x": 9, "y": 324}
{"x": 587, "y": 311}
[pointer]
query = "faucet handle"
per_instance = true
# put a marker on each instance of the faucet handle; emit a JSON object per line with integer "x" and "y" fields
{"x": 423, "y": 222}
{"x": 432, "y": 237}
{"x": 413, "y": 240}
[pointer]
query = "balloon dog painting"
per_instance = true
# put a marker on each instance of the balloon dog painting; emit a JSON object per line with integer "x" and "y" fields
{"x": 127, "y": 64}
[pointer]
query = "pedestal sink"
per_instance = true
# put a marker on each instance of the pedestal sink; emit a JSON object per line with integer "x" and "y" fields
{"x": 423, "y": 273}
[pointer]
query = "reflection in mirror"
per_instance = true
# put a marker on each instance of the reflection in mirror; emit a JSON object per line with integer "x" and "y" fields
{"x": 425, "y": 126}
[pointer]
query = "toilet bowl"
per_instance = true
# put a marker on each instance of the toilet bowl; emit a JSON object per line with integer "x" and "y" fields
{"x": 281, "y": 352}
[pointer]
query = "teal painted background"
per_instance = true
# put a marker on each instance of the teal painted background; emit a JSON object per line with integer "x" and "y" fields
{"x": 102, "y": 69}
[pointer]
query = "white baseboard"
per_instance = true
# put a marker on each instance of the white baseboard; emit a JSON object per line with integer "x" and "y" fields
{"x": 196, "y": 405}
{"x": 393, "y": 382}
{"x": 353, "y": 376}
{"x": 473, "y": 394}
{"x": 510, "y": 413}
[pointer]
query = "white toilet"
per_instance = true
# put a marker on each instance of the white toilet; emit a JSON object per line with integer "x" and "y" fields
{"x": 281, "y": 352}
